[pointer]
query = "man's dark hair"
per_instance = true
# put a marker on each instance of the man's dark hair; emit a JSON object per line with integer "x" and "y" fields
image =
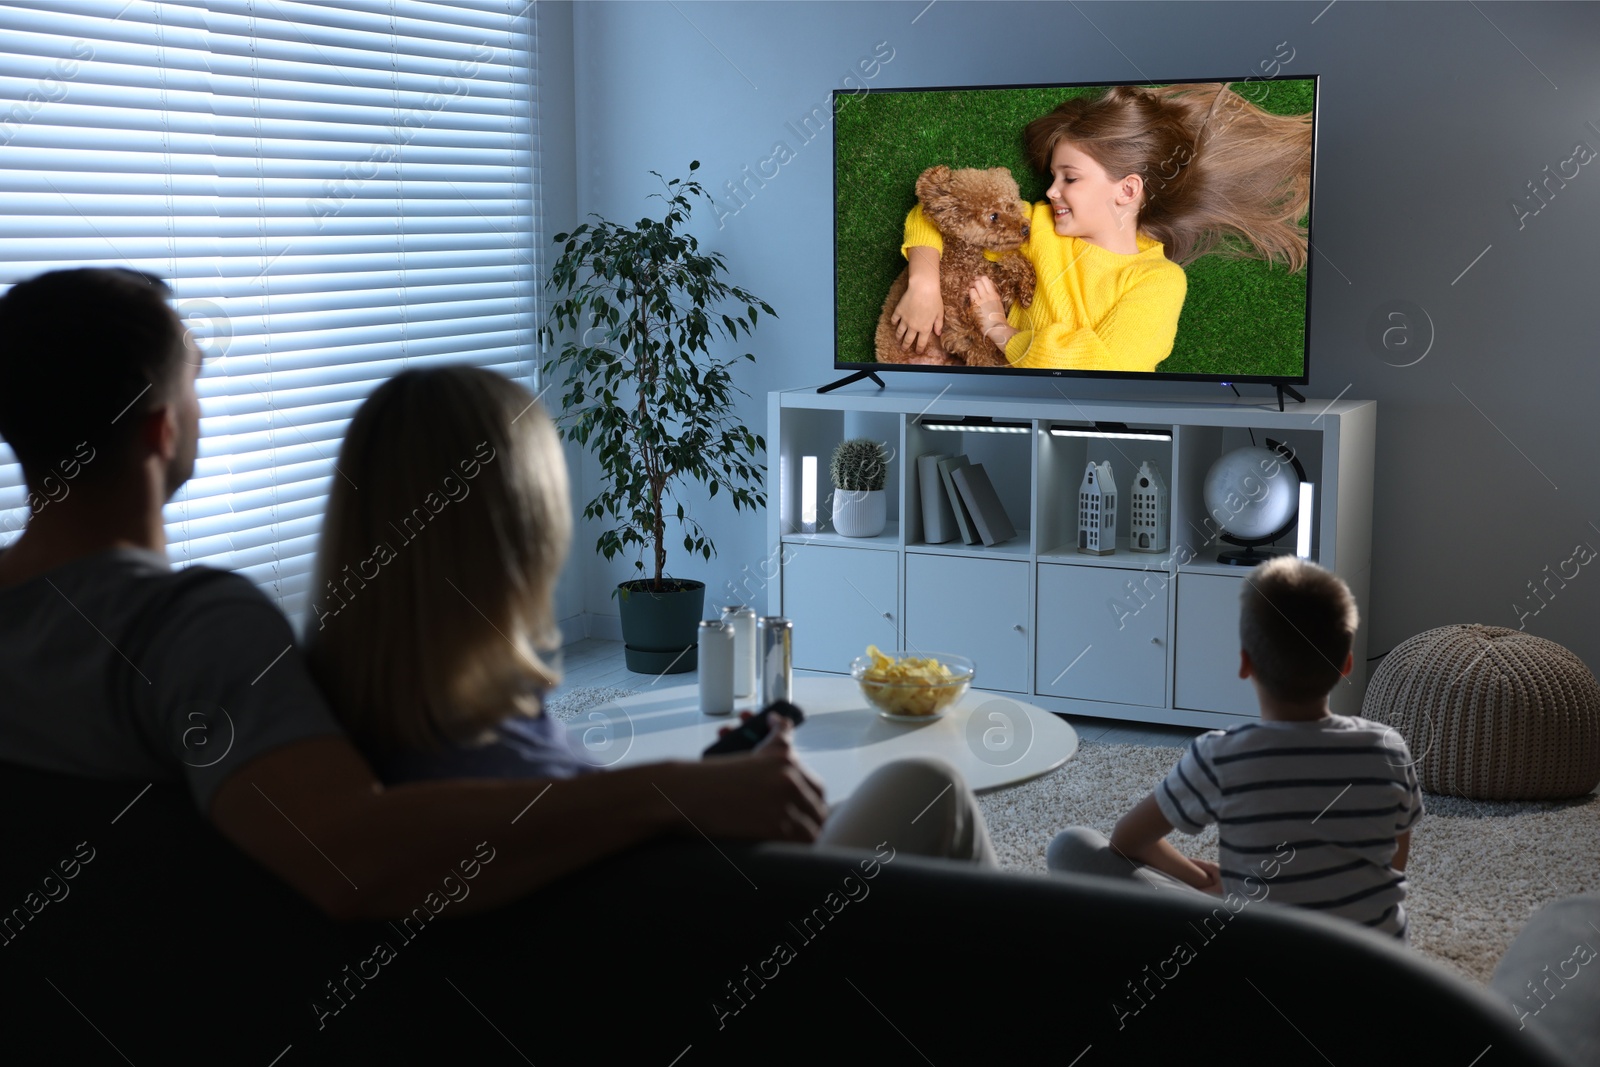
{"x": 82, "y": 353}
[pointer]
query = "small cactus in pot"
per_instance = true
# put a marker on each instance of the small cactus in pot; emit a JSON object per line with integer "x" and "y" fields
{"x": 859, "y": 468}
{"x": 859, "y": 464}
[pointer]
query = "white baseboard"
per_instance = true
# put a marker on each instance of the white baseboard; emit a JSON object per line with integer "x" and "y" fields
{"x": 588, "y": 624}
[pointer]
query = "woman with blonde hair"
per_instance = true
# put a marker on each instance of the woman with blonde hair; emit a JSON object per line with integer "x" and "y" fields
{"x": 434, "y": 633}
{"x": 446, "y": 531}
{"x": 1143, "y": 181}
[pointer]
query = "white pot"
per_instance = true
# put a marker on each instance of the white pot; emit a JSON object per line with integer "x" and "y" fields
{"x": 860, "y": 513}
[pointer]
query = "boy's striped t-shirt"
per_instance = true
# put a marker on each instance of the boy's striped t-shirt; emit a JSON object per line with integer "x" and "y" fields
{"x": 1308, "y": 810}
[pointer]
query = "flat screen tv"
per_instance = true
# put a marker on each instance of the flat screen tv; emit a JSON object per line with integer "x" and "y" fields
{"x": 1224, "y": 180}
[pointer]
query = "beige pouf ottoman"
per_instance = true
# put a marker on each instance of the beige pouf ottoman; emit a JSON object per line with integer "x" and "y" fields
{"x": 1491, "y": 713}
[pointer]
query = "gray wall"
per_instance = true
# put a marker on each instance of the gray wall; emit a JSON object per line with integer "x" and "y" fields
{"x": 1433, "y": 117}
{"x": 558, "y": 205}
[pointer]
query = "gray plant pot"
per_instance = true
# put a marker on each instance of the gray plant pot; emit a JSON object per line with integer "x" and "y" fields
{"x": 660, "y": 631}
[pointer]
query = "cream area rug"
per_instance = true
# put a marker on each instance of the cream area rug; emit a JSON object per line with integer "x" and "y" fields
{"x": 1478, "y": 870}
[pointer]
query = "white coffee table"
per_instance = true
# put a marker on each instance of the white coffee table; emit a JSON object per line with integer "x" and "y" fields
{"x": 993, "y": 740}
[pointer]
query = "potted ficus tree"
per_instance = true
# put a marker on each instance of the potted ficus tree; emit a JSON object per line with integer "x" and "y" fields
{"x": 644, "y": 392}
{"x": 859, "y": 468}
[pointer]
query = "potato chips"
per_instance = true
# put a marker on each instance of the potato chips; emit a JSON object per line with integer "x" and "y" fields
{"x": 910, "y": 685}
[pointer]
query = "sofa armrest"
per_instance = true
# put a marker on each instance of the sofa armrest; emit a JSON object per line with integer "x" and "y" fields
{"x": 1550, "y": 977}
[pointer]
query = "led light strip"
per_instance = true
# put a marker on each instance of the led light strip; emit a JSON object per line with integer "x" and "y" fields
{"x": 977, "y": 427}
{"x": 1302, "y": 547}
{"x": 1120, "y": 435}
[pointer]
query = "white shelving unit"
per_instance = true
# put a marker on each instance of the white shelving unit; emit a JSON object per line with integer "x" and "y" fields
{"x": 1133, "y": 635}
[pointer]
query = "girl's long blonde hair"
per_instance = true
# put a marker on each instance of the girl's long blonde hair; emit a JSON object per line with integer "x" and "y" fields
{"x": 448, "y": 522}
{"x": 1217, "y": 169}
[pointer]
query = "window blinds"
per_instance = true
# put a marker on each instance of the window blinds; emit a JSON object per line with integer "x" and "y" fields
{"x": 334, "y": 192}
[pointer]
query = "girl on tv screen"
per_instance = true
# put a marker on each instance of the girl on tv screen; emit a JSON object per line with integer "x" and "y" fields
{"x": 1143, "y": 181}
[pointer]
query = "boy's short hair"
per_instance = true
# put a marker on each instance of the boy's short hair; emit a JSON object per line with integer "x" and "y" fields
{"x": 1298, "y": 623}
{"x": 82, "y": 353}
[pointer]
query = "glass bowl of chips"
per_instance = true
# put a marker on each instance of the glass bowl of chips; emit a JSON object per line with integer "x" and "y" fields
{"x": 911, "y": 686}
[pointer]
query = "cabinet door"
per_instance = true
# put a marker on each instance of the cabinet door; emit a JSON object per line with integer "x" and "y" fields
{"x": 1207, "y": 663}
{"x": 840, "y": 600}
{"x": 976, "y": 608}
{"x": 1103, "y": 634}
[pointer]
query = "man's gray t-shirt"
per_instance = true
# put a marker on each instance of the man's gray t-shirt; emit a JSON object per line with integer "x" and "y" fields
{"x": 116, "y": 666}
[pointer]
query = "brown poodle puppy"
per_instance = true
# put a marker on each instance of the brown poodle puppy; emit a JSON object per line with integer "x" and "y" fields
{"x": 975, "y": 211}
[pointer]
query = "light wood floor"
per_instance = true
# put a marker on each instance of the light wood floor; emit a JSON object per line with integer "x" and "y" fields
{"x": 595, "y": 662}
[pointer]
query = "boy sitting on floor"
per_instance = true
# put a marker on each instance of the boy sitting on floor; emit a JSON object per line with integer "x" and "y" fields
{"x": 1313, "y": 808}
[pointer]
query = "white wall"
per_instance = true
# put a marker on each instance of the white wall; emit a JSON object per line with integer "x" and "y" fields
{"x": 1432, "y": 118}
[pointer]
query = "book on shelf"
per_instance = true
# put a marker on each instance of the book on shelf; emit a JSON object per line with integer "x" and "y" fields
{"x": 983, "y": 503}
{"x": 938, "y": 520}
{"x": 969, "y": 533}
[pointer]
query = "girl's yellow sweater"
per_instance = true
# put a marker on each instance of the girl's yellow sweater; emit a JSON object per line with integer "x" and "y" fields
{"x": 1092, "y": 309}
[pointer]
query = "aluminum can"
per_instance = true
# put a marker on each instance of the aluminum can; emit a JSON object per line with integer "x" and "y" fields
{"x": 775, "y": 648}
{"x": 743, "y": 620}
{"x": 716, "y": 667}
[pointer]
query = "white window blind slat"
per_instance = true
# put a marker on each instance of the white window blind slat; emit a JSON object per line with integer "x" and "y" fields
{"x": 278, "y": 218}
{"x": 335, "y": 192}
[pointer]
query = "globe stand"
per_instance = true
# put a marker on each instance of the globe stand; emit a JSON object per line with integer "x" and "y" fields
{"x": 1248, "y": 558}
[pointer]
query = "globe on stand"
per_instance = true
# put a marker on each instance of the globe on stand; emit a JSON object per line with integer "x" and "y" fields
{"x": 1253, "y": 496}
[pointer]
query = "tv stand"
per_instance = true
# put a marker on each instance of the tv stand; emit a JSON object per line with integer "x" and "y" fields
{"x": 1145, "y": 635}
{"x": 847, "y": 379}
{"x": 1291, "y": 391}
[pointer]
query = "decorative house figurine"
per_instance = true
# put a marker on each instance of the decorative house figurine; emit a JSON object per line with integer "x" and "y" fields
{"x": 1149, "y": 515}
{"x": 1097, "y": 511}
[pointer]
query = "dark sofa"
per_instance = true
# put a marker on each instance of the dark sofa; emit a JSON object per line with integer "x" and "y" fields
{"x": 168, "y": 946}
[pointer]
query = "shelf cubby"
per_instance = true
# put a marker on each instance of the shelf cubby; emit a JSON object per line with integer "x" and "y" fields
{"x": 815, "y": 434}
{"x": 1006, "y": 459}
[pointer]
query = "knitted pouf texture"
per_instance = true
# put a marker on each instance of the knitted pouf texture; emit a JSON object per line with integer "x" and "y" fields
{"x": 1491, "y": 713}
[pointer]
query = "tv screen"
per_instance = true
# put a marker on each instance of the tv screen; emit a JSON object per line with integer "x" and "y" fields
{"x": 1144, "y": 230}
